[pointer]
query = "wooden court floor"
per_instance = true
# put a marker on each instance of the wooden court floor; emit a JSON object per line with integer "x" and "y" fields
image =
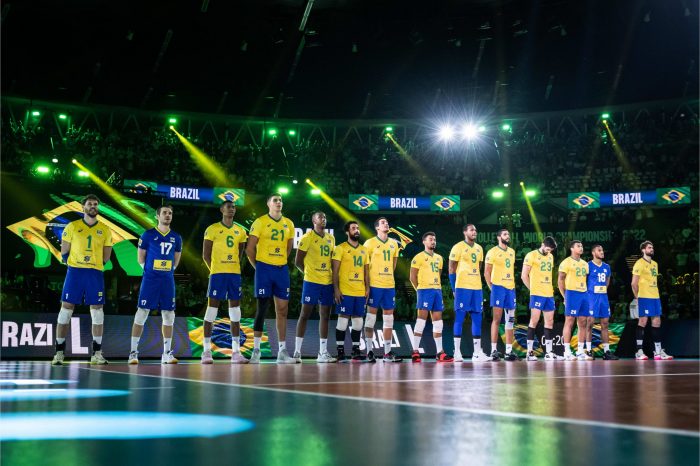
{"x": 599, "y": 412}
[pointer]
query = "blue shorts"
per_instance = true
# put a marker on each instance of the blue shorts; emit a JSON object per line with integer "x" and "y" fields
{"x": 541, "y": 303}
{"x": 649, "y": 307}
{"x": 157, "y": 292}
{"x": 87, "y": 284}
{"x": 469, "y": 300}
{"x": 315, "y": 293}
{"x": 576, "y": 303}
{"x": 271, "y": 280}
{"x": 598, "y": 305}
{"x": 351, "y": 306}
{"x": 224, "y": 286}
{"x": 382, "y": 297}
{"x": 502, "y": 297}
{"x": 430, "y": 299}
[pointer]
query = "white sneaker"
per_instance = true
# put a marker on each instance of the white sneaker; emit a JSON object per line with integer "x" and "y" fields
{"x": 58, "y": 358}
{"x": 581, "y": 356}
{"x": 551, "y": 357}
{"x": 569, "y": 357}
{"x": 325, "y": 357}
{"x": 297, "y": 357}
{"x": 168, "y": 358}
{"x": 458, "y": 357}
{"x": 98, "y": 359}
{"x": 640, "y": 356}
{"x": 255, "y": 357}
{"x": 133, "y": 357}
{"x": 479, "y": 357}
{"x": 662, "y": 356}
{"x": 238, "y": 358}
{"x": 284, "y": 358}
{"x": 531, "y": 356}
{"x": 207, "y": 358}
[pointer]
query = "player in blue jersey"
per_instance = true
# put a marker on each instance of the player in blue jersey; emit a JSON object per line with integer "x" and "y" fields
{"x": 599, "y": 274}
{"x": 159, "y": 254}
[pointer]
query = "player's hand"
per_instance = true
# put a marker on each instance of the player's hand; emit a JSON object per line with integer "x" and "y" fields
{"x": 338, "y": 296}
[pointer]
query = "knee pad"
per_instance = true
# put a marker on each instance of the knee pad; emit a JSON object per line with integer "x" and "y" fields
{"x": 211, "y": 313}
{"x": 418, "y": 328}
{"x": 510, "y": 319}
{"x": 437, "y": 326}
{"x": 388, "y": 321}
{"x": 98, "y": 316}
{"x": 234, "y": 313}
{"x": 141, "y": 316}
{"x": 168, "y": 318}
{"x": 342, "y": 324}
{"x": 357, "y": 323}
{"x": 370, "y": 320}
{"x": 64, "y": 316}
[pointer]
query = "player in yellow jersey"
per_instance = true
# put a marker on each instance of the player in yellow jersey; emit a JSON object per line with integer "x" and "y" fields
{"x": 222, "y": 251}
{"x": 350, "y": 289}
{"x": 499, "y": 273}
{"x": 538, "y": 267}
{"x": 313, "y": 259}
{"x": 466, "y": 258}
{"x": 426, "y": 267}
{"x": 270, "y": 241}
{"x": 86, "y": 246}
{"x": 383, "y": 253}
{"x": 646, "y": 295}
{"x": 573, "y": 286}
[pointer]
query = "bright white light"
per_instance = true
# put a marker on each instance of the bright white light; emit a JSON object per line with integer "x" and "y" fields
{"x": 470, "y": 132}
{"x": 446, "y": 133}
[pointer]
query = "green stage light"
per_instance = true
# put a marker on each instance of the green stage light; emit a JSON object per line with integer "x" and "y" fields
{"x": 42, "y": 169}
{"x": 54, "y": 160}
{"x": 83, "y": 174}
{"x": 316, "y": 191}
{"x": 272, "y": 132}
{"x": 482, "y": 128}
{"x": 506, "y": 127}
{"x": 530, "y": 193}
{"x": 605, "y": 116}
{"x": 36, "y": 113}
{"x": 283, "y": 190}
{"x": 389, "y": 129}
{"x": 172, "y": 120}
{"x": 497, "y": 194}
{"x": 292, "y": 132}
{"x": 62, "y": 116}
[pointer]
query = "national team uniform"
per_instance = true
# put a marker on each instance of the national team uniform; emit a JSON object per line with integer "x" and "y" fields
{"x": 502, "y": 277}
{"x": 380, "y": 256}
{"x": 541, "y": 287}
{"x": 271, "y": 271}
{"x": 158, "y": 282}
{"x": 598, "y": 305}
{"x": 429, "y": 291}
{"x": 225, "y": 273}
{"x": 469, "y": 296}
{"x": 351, "y": 278}
{"x": 318, "y": 274}
{"x": 648, "y": 295}
{"x": 575, "y": 296}
{"x": 85, "y": 278}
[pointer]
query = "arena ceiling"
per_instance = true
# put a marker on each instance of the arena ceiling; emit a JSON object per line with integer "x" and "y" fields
{"x": 350, "y": 58}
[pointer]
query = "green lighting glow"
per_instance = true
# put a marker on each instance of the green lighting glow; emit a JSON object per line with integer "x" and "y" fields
{"x": 172, "y": 120}
{"x": 283, "y": 190}
{"x": 506, "y": 127}
{"x": 54, "y": 160}
{"x": 42, "y": 169}
{"x": 36, "y": 113}
{"x": 316, "y": 192}
{"x": 389, "y": 129}
{"x": 530, "y": 193}
{"x": 83, "y": 174}
{"x": 62, "y": 116}
{"x": 482, "y": 128}
{"x": 272, "y": 132}
{"x": 497, "y": 194}
{"x": 605, "y": 116}
{"x": 292, "y": 132}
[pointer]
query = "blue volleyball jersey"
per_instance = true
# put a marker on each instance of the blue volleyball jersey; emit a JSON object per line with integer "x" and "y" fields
{"x": 598, "y": 278}
{"x": 160, "y": 251}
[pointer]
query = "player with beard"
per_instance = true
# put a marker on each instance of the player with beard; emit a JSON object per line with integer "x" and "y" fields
{"x": 646, "y": 293}
{"x": 86, "y": 246}
{"x": 537, "y": 277}
{"x": 599, "y": 274}
{"x": 573, "y": 286}
{"x": 499, "y": 273}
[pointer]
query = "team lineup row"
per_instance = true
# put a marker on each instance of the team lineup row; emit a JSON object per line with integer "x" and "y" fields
{"x": 358, "y": 279}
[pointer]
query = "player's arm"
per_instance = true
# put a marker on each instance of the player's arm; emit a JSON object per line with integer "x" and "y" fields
{"x": 413, "y": 276}
{"x": 366, "y": 280}
{"x": 396, "y": 260}
{"x": 290, "y": 245}
{"x": 488, "y": 268}
{"x": 561, "y": 285}
{"x": 525, "y": 275}
{"x": 335, "y": 266}
{"x": 299, "y": 260}
{"x": 141, "y": 257}
{"x": 106, "y": 253}
{"x": 206, "y": 252}
{"x": 176, "y": 258}
{"x": 607, "y": 282}
{"x": 251, "y": 249}
{"x": 241, "y": 254}
{"x": 65, "y": 251}
{"x": 635, "y": 286}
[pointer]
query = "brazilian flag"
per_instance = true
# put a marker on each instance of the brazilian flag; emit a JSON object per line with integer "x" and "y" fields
{"x": 445, "y": 203}
{"x": 237, "y": 196}
{"x": 363, "y": 202}
{"x": 221, "y": 338}
{"x": 589, "y": 200}
{"x": 673, "y": 196}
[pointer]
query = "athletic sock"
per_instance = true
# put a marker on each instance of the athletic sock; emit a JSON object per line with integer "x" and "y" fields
{"x": 355, "y": 337}
{"x": 416, "y": 340}
{"x": 494, "y": 347}
{"x": 297, "y": 344}
{"x": 639, "y": 333}
{"x": 438, "y": 344}
{"x": 339, "y": 338}
{"x": 580, "y": 347}
{"x": 323, "y": 345}
{"x": 548, "y": 339}
{"x": 167, "y": 342}
{"x": 97, "y": 346}
{"x": 477, "y": 345}
{"x": 207, "y": 344}
{"x": 369, "y": 345}
{"x": 256, "y": 342}
{"x": 530, "y": 338}
{"x": 509, "y": 348}
{"x": 282, "y": 345}
{"x": 387, "y": 346}
{"x": 135, "y": 343}
{"x": 458, "y": 344}
{"x": 606, "y": 347}
{"x": 588, "y": 346}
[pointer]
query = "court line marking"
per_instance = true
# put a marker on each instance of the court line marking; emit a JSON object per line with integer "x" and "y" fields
{"x": 484, "y": 412}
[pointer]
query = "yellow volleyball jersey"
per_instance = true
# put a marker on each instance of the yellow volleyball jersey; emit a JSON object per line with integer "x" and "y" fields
{"x": 381, "y": 256}
{"x": 469, "y": 259}
{"x": 647, "y": 273}
{"x": 576, "y": 274}
{"x": 317, "y": 262}
{"x": 541, "y": 267}
{"x": 351, "y": 274}
{"x": 503, "y": 262}
{"x": 272, "y": 239}
{"x": 429, "y": 267}
{"x": 86, "y": 243}
{"x": 225, "y": 257}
